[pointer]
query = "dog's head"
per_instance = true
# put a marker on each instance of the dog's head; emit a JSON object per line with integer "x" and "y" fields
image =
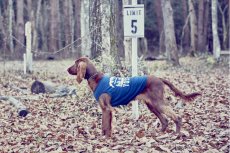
{"x": 82, "y": 68}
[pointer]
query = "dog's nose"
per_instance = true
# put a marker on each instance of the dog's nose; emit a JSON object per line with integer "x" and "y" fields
{"x": 69, "y": 70}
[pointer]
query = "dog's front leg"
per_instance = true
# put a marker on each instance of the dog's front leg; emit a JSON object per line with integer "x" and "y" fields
{"x": 106, "y": 107}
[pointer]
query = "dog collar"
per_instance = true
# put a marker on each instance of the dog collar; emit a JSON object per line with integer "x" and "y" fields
{"x": 92, "y": 76}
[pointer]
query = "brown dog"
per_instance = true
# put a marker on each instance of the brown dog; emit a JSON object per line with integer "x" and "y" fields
{"x": 152, "y": 94}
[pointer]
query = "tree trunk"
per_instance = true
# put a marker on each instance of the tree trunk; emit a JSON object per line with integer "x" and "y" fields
{"x": 36, "y": 39}
{"x": 10, "y": 28}
{"x": 142, "y": 42}
{"x": 52, "y": 89}
{"x": 193, "y": 26}
{"x": 160, "y": 26}
{"x": 44, "y": 26}
{"x": 31, "y": 19}
{"x": 71, "y": 23}
{"x": 59, "y": 26}
{"x": 116, "y": 30}
{"x": 186, "y": 33}
{"x": 228, "y": 25}
{"x": 170, "y": 40}
{"x": 2, "y": 31}
{"x": 95, "y": 27}
{"x": 77, "y": 27}
{"x": 85, "y": 31}
{"x": 67, "y": 24}
{"x": 29, "y": 9}
{"x": 216, "y": 41}
{"x": 142, "y": 47}
{"x": 201, "y": 15}
{"x": 20, "y": 28}
{"x": 127, "y": 40}
{"x": 224, "y": 27}
{"x": 22, "y": 110}
{"x": 53, "y": 45}
{"x": 105, "y": 26}
{"x": 206, "y": 24}
{"x": 119, "y": 29}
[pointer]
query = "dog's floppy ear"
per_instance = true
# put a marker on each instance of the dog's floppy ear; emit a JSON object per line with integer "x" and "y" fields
{"x": 81, "y": 69}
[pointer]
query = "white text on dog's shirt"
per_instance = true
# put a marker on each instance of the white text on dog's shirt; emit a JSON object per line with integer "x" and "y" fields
{"x": 119, "y": 82}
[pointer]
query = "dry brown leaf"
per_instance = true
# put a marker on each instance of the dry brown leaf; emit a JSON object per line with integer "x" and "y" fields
{"x": 140, "y": 134}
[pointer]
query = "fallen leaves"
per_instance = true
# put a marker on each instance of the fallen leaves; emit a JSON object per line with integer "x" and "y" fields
{"x": 73, "y": 124}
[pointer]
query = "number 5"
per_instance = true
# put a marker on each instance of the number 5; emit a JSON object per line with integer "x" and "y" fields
{"x": 134, "y": 27}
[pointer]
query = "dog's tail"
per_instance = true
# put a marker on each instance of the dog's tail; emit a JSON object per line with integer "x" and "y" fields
{"x": 187, "y": 97}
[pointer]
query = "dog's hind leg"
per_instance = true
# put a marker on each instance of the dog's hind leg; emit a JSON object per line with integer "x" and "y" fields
{"x": 152, "y": 106}
{"x": 168, "y": 111}
{"x": 104, "y": 101}
{"x": 159, "y": 114}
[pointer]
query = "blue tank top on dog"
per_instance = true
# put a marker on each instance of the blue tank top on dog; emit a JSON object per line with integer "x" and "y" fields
{"x": 121, "y": 90}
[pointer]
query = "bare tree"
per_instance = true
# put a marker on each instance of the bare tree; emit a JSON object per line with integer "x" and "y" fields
{"x": 77, "y": 25}
{"x": 160, "y": 26}
{"x": 216, "y": 41}
{"x": 85, "y": 31}
{"x": 119, "y": 29}
{"x": 44, "y": 26}
{"x": 228, "y": 25}
{"x": 193, "y": 27}
{"x": 67, "y": 27}
{"x": 54, "y": 25}
{"x": 185, "y": 31}
{"x": 59, "y": 26}
{"x": 116, "y": 30}
{"x": 20, "y": 27}
{"x": 127, "y": 40}
{"x": 224, "y": 26}
{"x": 71, "y": 23}
{"x": 206, "y": 24}
{"x": 95, "y": 27}
{"x": 10, "y": 28}
{"x": 2, "y": 29}
{"x": 105, "y": 26}
{"x": 36, "y": 28}
{"x": 201, "y": 15}
{"x": 170, "y": 40}
{"x": 29, "y": 8}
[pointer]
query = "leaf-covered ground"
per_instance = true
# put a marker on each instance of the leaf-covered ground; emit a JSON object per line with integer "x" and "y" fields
{"x": 73, "y": 124}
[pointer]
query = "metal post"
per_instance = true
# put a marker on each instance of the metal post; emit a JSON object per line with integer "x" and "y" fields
{"x": 134, "y": 73}
{"x": 134, "y": 70}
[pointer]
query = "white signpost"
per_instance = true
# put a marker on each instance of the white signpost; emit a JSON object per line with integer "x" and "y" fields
{"x": 134, "y": 28}
{"x": 28, "y": 56}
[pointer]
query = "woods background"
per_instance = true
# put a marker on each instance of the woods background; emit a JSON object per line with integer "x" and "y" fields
{"x": 69, "y": 120}
{"x": 72, "y": 28}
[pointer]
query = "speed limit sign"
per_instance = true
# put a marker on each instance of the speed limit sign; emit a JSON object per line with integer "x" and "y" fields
{"x": 133, "y": 20}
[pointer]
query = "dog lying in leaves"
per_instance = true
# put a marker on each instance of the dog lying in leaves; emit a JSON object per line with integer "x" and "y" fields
{"x": 114, "y": 91}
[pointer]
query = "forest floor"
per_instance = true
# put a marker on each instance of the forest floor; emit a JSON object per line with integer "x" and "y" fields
{"x": 73, "y": 124}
